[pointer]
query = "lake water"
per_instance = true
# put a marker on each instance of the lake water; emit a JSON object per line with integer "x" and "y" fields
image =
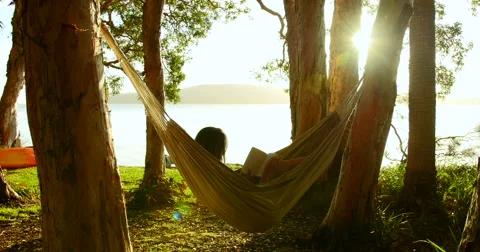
{"x": 266, "y": 127}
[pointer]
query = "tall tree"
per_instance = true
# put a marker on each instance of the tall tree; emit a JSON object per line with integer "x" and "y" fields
{"x": 352, "y": 205}
{"x": 81, "y": 194}
{"x": 152, "y": 14}
{"x": 307, "y": 63}
{"x": 420, "y": 175}
{"x": 9, "y": 134}
{"x": 343, "y": 67}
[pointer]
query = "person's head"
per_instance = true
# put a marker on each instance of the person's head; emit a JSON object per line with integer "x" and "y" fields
{"x": 214, "y": 141}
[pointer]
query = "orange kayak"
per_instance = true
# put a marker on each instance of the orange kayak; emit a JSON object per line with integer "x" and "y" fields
{"x": 12, "y": 158}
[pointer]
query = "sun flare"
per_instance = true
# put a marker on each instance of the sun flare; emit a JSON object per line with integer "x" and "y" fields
{"x": 361, "y": 40}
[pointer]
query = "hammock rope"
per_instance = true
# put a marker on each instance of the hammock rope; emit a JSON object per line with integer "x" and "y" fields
{"x": 242, "y": 204}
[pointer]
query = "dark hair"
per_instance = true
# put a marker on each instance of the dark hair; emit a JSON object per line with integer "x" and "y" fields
{"x": 214, "y": 141}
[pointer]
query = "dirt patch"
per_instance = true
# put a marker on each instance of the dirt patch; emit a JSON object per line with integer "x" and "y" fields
{"x": 21, "y": 235}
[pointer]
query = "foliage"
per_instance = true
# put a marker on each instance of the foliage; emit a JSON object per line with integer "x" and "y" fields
{"x": 113, "y": 85}
{"x": 475, "y": 5}
{"x": 450, "y": 47}
{"x": 370, "y": 6}
{"x": 456, "y": 186}
{"x": 390, "y": 182}
{"x": 433, "y": 245}
{"x": 184, "y": 24}
{"x": 437, "y": 229}
{"x": 274, "y": 70}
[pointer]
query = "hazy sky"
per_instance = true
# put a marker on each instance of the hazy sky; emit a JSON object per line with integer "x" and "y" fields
{"x": 232, "y": 51}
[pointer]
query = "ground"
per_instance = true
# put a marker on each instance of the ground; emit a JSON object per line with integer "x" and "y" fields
{"x": 158, "y": 231}
{"x": 185, "y": 225}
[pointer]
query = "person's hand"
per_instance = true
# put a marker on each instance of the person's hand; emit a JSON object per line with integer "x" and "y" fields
{"x": 270, "y": 168}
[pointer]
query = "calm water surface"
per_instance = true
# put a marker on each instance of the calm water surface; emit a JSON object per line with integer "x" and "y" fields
{"x": 266, "y": 127}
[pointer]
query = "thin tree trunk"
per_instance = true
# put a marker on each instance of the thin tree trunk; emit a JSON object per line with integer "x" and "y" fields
{"x": 7, "y": 194}
{"x": 307, "y": 61}
{"x": 421, "y": 174}
{"x": 471, "y": 237}
{"x": 352, "y": 205}
{"x": 9, "y": 135}
{"x": 155, "y": 154}
{"x": 81, "y": 194}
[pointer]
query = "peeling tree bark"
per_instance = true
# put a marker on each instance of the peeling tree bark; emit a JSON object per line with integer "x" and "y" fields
{"x": 9, "y": 135}
{"x": 155, "y": 154}
{"x": 470, "y": 241}
{"x": 81, "y": 194}
{"x": 307, "y": 61}
{"x": 352, "y": 205}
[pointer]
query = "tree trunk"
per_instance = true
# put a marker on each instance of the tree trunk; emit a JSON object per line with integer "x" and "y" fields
{"x": 307, "y": 60}
{"x": 352, "y": 205}
{"x": 343, "y": 67}
{"x": 7, "y": 194}
{"x": 471, "y": 237}
{"x": 155, "y": 154}
{"x": 9, "y": 135}
{"x": 420, "y": 175}
{"x": 81, "y": 194}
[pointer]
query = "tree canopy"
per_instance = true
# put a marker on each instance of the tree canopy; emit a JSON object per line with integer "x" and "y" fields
{"x": 184, "y": 24}
{"x": 450, "y": 46}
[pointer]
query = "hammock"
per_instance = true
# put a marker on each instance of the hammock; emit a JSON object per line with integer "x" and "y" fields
{"x": 242, "y": 204}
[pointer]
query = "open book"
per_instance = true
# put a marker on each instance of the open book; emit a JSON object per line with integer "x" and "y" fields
{"x": 255, "y": 162}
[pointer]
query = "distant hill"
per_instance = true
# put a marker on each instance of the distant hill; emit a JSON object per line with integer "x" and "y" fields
{"x": 220, "y": 94}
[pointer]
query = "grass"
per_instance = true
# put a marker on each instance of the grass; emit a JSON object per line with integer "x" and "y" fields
{"x": 438, "y": 230}
{"x": 185, "y": 225}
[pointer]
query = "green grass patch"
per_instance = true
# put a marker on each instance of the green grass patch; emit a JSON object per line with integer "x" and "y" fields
{"x": 12, "y": 213}
{"x": 437, "y": 230}
{"x": 24, "y": 182}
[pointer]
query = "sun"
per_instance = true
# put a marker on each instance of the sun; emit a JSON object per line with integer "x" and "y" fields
{"x": 361, "y": 40}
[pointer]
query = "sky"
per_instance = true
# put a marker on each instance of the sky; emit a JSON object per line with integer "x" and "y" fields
{"x": 233, "y": 51}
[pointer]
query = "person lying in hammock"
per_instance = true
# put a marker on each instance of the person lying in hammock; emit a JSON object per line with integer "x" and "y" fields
{"x": 258, "y": 167}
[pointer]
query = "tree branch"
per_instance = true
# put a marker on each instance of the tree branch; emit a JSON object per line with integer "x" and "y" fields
{"x": 105, "y": 5}
{"x": 449, "y": 138}
{"x": 112, "y": 64}
{"x": 108, "y": 63}
{"x": 274, "y": 13}
{"x": 401, "y": 143}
